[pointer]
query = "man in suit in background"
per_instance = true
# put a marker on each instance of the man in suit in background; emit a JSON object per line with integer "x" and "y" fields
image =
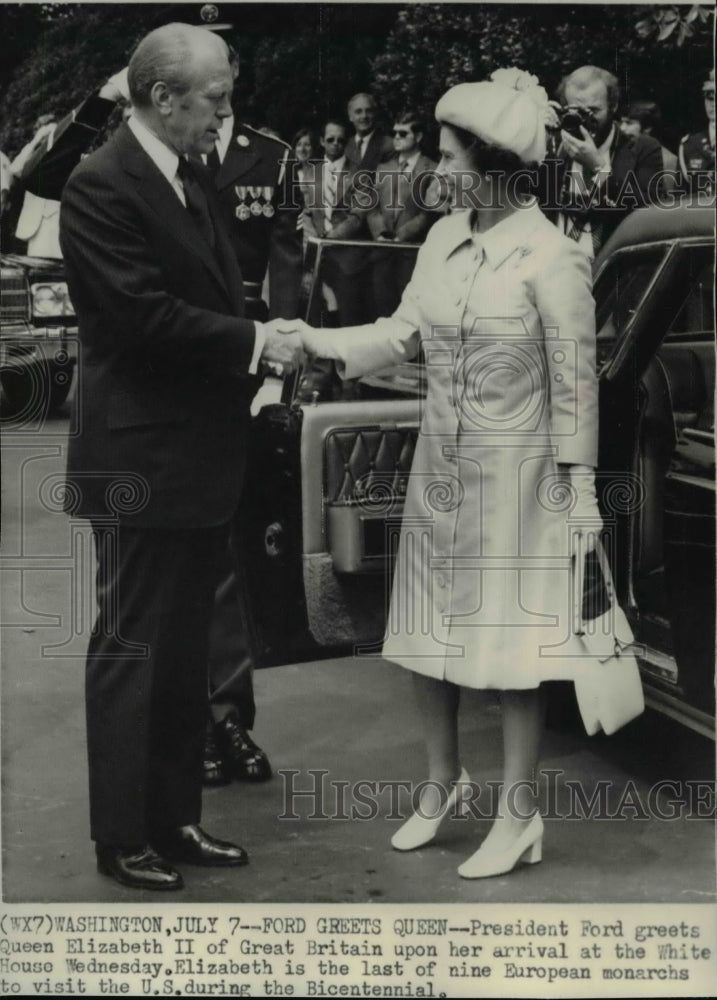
{"x": 337, "y": 199}
{"x": 599, "y": 174}
{"x": 368, "y": 146}
{"x": 157, "y": 465}
{"x": 400, "y": 215}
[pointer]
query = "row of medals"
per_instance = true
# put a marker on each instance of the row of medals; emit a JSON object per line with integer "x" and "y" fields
{"x": 256, "y": 207}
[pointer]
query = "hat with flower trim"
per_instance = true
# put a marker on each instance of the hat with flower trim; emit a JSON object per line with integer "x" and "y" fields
{"x": 510, "y": 110}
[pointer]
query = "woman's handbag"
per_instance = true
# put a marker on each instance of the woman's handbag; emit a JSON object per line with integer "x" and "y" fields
{"x": 607, "y": 680}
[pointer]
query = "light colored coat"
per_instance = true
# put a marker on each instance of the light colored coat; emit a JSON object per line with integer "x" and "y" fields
{"x": 481, "y": 591}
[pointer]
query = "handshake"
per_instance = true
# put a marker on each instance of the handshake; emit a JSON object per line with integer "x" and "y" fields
{"x": 288, "y": 343}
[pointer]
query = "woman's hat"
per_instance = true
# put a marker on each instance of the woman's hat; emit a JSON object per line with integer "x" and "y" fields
{"x": 509, "y": 111}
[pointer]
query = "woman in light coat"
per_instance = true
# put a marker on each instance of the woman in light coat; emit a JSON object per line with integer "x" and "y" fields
{"x": 502, "y": 476}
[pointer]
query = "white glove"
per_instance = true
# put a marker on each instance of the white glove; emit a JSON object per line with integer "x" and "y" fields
{"x": 585, "y": 516}
{"x": 319, "y": 343}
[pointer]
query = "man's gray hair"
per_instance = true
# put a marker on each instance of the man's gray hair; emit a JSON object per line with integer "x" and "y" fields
{"x": 359, "y": 96}
{"x": 584, "y": 76}
{"x": 165, "y": 54}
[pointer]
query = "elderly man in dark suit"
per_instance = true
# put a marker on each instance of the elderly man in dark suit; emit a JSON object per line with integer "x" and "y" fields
{"x": 598, "y": 175}
{"x": 368, "y": 146}
{"x": 157, "y": 465}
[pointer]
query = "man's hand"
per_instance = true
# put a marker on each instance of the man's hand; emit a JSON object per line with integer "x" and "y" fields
{"x": 283, "y": 351}
{"x": 584, "y": 150}
{"x": 116, "y": 88}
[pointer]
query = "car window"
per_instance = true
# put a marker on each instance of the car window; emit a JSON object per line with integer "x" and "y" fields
{"x": 687, "y": 352}
{"x": 618, "y": 291}
{"x": 347, "y": 283}
{"x": 695, "y": 317}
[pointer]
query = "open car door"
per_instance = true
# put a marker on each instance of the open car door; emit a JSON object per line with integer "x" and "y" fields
{"x": 656, "y": 341}
{"x": 331, "y": 465}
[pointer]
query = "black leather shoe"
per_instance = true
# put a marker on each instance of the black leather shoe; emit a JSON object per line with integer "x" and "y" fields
{"x": 138, "y": 867}
{"x": 193, "y": 846}
{"x": 214, "y": 770}
{"x": 246, "y": 760}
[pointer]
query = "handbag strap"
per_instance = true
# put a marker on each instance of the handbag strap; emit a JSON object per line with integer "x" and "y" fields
{"x": 580, "y": 551}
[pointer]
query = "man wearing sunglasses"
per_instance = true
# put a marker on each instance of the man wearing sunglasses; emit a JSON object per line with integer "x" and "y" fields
{"x": 400, "y": 215}
{"x": 336, "y": 202}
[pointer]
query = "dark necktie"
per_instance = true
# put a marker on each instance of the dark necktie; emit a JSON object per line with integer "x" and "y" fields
{"x": 213, "y": 161}
{"x": 196, "y": 200}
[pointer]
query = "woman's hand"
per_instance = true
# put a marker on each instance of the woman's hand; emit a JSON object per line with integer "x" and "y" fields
{"x": 316, "y": 343}
{"x": 585, "y": 514}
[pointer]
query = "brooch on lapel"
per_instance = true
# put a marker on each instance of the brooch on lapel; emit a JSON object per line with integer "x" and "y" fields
{"x": 242, "y": 141}
{"x": 520, "y": 253}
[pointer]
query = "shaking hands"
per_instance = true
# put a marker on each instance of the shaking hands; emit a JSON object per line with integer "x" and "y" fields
{"x": 288, "y": 343}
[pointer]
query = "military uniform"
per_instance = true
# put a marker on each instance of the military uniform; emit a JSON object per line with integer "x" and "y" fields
{"x": 261, "y": 210}
{"x": 697, "y": 161}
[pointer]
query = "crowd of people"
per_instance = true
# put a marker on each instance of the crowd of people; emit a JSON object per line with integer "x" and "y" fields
{"x": 184, "y": 237}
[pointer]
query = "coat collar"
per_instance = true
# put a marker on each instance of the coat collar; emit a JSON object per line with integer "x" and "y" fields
{"x": 248, "y": 147}
{"x": 157, "y": 192}
{"x": 499, "y": 242}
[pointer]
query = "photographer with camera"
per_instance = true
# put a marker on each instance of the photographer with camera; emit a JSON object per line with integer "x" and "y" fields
{"x": 597, "y": 174}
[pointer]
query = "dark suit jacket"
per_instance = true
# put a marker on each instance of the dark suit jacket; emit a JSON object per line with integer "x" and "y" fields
{"x": 162, "y": 407}
{"x": 379, "y": 149}
{"x": 348, "y": 216}
{"x": 635, "y": 162}
{"x": 398, "y": 213}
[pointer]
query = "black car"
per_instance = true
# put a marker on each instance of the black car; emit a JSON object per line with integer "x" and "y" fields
{"x": 38, "y": 338}
{"x": 331, "y": 467}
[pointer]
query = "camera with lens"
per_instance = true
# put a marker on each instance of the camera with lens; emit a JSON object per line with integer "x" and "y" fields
{"x": 573, "y": 116}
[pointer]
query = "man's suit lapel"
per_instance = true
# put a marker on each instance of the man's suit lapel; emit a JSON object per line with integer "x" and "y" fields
{"x": 225, "y": 255}
{"x": 156, "y": 191}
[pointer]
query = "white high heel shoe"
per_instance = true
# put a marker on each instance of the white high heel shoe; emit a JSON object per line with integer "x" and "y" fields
{"x": 419, "y": 830}
{"x": 528, "y": 847}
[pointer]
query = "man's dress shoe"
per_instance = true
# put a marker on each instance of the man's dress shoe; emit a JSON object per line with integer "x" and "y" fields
{"x": 247, "y": 761}
{"x": 191, "y": 845}
{"x": 138, "y": 867}
{"x": 214, "y": 770}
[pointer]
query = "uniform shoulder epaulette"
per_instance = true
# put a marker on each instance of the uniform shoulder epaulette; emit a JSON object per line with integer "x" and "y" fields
{"x": 263, "y": 135}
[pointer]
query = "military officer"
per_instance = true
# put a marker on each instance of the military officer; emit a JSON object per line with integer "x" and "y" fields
{"x": 697, "y": 149}
{"x": 252, "y": 176}
{"x": 253, "y": 180}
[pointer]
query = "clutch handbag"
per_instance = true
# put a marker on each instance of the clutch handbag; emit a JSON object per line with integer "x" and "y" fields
{"x": 607, "y": 680}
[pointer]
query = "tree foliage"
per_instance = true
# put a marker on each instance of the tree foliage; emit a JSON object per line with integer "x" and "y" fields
{"x": 675, "y": 25}
{"x": 301, "y": 61}
{"x": 434, "y": 46}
